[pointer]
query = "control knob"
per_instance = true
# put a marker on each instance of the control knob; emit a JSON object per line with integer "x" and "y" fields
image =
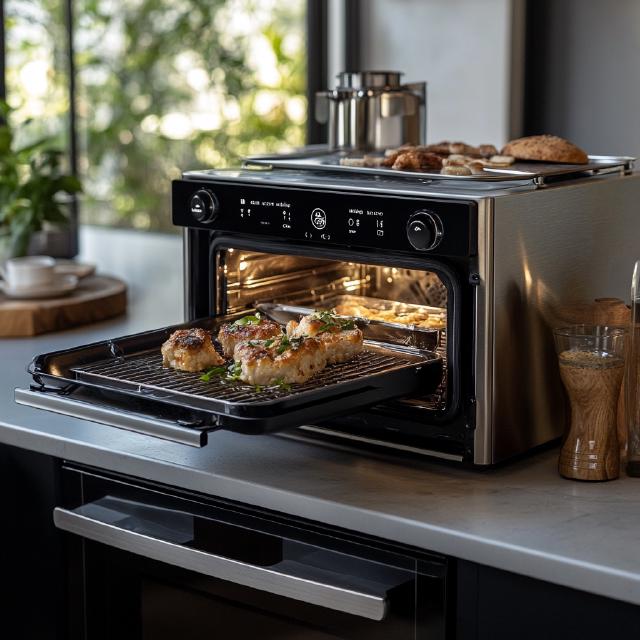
{"x": 424, "y": 230}
{"x": 203, "y": 206}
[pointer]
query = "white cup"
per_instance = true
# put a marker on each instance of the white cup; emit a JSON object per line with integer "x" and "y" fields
{"x": 29, "y": 272}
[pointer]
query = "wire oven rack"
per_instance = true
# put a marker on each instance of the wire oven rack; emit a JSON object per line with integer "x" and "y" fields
{"x": 132, "y": 366}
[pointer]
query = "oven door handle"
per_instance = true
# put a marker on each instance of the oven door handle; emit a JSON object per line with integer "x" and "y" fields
{"x": 312, "y": 592}
{"x": 120, "y": 419}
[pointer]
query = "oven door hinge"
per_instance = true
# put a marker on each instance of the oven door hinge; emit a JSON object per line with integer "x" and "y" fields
{"x": 470, "y": 422}
{"x": 474, "y": 278}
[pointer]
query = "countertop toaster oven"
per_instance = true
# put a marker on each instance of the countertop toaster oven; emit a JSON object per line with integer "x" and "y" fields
{"x": 468, "y": 275}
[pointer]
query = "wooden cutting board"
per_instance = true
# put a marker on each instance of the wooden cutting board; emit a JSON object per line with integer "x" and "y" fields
{"x": 96, "y": 298}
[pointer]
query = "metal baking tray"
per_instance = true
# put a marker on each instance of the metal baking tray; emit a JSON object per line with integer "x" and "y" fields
{"x": 132, "y": 366}
{"x": 535, "y": 172}
{"x": 384, "y": 331}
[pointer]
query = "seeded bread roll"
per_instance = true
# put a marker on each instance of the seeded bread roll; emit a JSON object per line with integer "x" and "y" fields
{"x": 545, "y": 148}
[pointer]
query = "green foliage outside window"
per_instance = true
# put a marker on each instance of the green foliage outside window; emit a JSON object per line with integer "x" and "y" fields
{"x": 169, "y": 85}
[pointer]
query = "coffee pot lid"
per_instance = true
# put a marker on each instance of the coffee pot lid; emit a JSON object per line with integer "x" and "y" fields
{"x": 369, "y": 79}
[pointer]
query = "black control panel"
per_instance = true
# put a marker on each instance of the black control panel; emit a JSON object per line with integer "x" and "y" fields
{"x": 378, "y": 221}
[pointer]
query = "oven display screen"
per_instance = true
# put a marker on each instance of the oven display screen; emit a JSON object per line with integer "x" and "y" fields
{"x": 265, "y": 212}
{"x": 355, "y": 221}
{"x": 328, "y": 217}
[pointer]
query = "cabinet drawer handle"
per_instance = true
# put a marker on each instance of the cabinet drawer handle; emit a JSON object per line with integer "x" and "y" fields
{"x": 264, "y": 579}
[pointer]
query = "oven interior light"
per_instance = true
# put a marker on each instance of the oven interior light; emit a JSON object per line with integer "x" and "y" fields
{"x": 389, "y": 280}
{"x": 243, "y": 265}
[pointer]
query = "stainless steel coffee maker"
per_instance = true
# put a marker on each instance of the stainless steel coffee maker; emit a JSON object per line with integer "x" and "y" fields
{"x": 371, "y": 110}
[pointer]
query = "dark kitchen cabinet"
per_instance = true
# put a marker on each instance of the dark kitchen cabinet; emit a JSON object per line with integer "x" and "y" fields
{"x": 499, "y": 605}
{"x": 49, "y": 576}
{"x": 148, "y": 562}
{"x": 32, "y": 566}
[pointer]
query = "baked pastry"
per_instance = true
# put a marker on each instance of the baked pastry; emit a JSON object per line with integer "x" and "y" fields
{"x": 487, "y": 150}
{"x": 545, "y": 148}
{"x": 440, "y": 148}
{"x": 501, "y": 161}
{"x": 190, "y": 350}
{"x": 456, "y": 170}
{"x": 417, "y": 161}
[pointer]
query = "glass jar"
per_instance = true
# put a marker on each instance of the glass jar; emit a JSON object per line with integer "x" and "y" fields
{"x": 591, "y": 359}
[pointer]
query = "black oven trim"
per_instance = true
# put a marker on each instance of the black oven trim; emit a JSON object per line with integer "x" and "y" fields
{"x": 223, "y": 241}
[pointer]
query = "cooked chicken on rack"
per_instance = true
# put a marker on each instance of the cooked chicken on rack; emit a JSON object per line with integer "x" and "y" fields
{"x": 279, "y": 360}
{"x": 247, "y": 328}
{"x": 341, "y": 337}
{"x": 190, "y": 350}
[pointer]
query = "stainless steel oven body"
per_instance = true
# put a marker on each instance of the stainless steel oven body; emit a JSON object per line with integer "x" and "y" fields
{"x": 505, "y": 258}
{"x": 490, "y": 263}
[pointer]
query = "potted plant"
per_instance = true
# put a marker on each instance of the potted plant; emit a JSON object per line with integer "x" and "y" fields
{"x": 32, "y": 183}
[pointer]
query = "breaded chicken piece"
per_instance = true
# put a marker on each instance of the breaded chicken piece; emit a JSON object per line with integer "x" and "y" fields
{"x": 279, "y": 360}
{"x": 341, "y": 337}
{"x": 247, "y": 328}
{"x": 190, "y": 350}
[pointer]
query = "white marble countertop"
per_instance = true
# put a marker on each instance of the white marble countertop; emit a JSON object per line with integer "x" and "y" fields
{"x": 522, "y": 517}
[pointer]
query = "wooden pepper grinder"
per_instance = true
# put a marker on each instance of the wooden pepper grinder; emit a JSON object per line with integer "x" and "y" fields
{"x": 591, "y": 359}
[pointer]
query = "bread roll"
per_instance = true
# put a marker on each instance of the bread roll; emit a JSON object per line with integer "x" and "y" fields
{"x": 545, "y": 148}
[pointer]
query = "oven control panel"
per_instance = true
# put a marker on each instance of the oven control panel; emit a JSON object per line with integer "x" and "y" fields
{"x": 378, "y": 221}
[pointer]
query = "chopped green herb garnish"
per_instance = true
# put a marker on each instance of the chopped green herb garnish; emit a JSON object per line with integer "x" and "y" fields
{"x": 247, "y": 320}
{"x": 289, "y": 343}
{"x": 269, "y": 342}
{"x": 331, "y": 321}
{"x": 233, "y": 371}
{"x": 229, "y": 373}
{"x": 281, "y": 384}
{"x": 285, "y": 343}
{"x": 243, "y": 322}
{"x": 213, "y": 371}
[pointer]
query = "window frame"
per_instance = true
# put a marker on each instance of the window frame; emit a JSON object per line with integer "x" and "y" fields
{"x": 316, "y": 53}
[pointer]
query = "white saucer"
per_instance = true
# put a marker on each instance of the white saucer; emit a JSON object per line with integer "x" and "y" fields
{"x": 73, "y": 268}
{"x": 61, "y": 286}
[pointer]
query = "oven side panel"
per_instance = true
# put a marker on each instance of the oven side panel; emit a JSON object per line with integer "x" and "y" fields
{"x": 483, "y": 336}
{"x": 552, "y": 248}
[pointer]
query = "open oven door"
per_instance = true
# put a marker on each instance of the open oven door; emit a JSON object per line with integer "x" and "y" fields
{"x": 122, "y": 383}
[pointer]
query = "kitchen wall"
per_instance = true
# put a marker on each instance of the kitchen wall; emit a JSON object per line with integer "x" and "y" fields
{"x": 584, "y": 68}
{"x": 469, "y": 52}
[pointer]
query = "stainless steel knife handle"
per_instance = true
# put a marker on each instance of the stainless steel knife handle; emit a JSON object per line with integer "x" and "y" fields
{"x": 121, "y": 419}
{"x": 264, "y": 579}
